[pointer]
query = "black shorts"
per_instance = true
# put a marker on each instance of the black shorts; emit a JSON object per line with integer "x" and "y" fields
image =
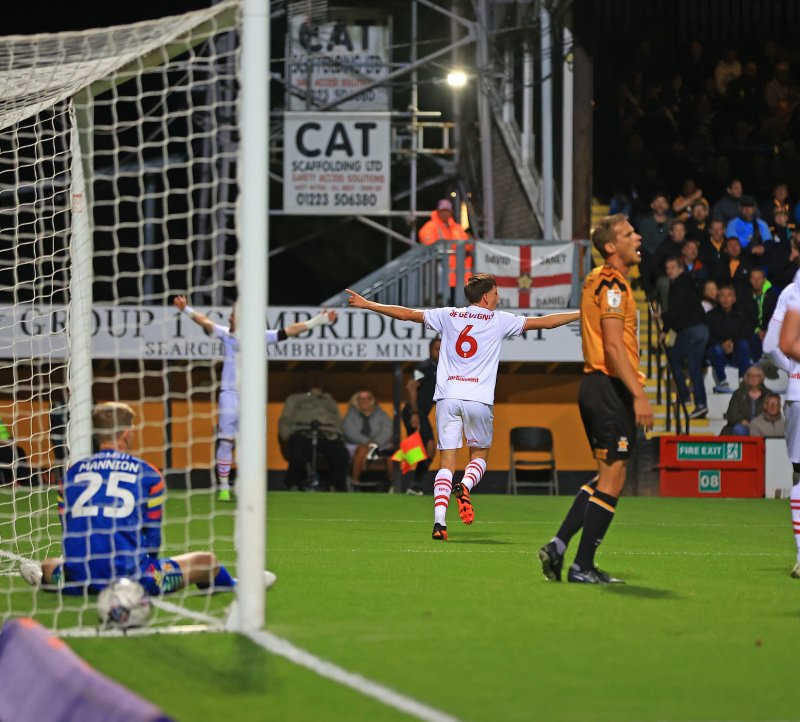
{"x": 425, "y": 428}
{"x": 607, "y": 412}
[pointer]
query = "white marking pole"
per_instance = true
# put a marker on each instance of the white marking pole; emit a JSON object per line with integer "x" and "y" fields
{"x": 253, "y": 231}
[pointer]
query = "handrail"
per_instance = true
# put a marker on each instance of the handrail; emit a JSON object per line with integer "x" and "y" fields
{"x": 669, "y": 387}
{"x": 420, "y": 277}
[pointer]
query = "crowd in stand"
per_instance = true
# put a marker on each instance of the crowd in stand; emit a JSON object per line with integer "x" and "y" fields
{"x": 713, "y": 156}
{"x": 716, "y": 274}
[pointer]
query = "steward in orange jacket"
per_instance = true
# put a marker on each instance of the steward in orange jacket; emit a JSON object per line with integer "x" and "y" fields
{"x": 442, "y": 226}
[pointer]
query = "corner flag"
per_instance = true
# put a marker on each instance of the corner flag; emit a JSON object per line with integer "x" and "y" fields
{"x": 410, "y": 453}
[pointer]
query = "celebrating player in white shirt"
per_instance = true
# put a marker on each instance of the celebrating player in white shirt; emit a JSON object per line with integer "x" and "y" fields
{"x": 228, "y": 405}
{"x": 465, "y": 381}
{"x": 782, "y": 343}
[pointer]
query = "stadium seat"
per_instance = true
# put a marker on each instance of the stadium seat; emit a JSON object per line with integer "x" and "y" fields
{"x": 528, "y": 441}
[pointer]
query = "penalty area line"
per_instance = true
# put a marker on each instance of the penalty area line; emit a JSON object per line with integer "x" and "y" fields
{"x": 375, "y": 690}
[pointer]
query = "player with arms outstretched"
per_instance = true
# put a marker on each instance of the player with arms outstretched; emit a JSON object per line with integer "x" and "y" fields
{"x": 111, "y": 506}
{"x": 465, "y": 380}
{"x": 612, "y": 399}
{"x": 228, "y": 403}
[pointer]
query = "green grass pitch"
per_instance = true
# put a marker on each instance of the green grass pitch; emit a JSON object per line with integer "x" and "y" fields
{"x": 703, "y": 630}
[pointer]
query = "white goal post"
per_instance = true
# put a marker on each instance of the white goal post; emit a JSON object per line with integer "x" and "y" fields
{"x": 133, "y": 168}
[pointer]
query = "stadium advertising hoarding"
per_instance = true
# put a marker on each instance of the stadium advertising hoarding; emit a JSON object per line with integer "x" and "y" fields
{"x": 336, "y": 163}
{"x": 337, "y": 57}
{"x": 529, "y": 276}
{"x": 150, "y": 332}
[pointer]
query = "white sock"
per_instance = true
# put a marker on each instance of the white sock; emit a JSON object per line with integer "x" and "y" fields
{"x": 442, "y": 486}
{"x": 795, "y": 503}
{"x": 473, "y": 473}
{"x": 224, "y": 463}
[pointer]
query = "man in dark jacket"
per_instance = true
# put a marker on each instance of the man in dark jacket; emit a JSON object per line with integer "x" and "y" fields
{"x": 733, "y": 268}
{"x": 729, "y": 331}
{"x": 686, "y": 317}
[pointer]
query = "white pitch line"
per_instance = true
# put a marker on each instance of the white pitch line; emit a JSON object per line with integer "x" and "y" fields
{"x": 283, "y": 648}
{"x": 384, "y": 695}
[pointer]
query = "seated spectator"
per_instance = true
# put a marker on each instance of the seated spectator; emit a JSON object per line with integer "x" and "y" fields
{"x": 682, "y": 203}
{"x": 713, "y": 247}
{"x": 697, "y": 223}
{"x": 692, "y": 264}
{"x": 746, "y": 403}
{"x": 309, "y": 416}
{"x": 367, "y": 428}
{"x": 728, "y": 334}
{"x": 727, "y": 207}
{"x": 779, "y": 201}
{"x": 778, "y": 249}
{"x": 750, "y": 230}
{"x": 733, "y": 268}
{"x": 710, "y": 295}
{"x": 653, "y": 227}
{"x": 686, "y": 317}
{"x": 770, "y": 422}
{"x": 671, "y": 247}
{"x": 728, "y": 67}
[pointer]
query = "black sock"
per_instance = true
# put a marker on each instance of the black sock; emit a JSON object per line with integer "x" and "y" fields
{"x": 599, "y": 514}
{"x": 573, "y": 521}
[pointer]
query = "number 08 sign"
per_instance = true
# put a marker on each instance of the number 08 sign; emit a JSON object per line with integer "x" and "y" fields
{"x": 336, "y": 164}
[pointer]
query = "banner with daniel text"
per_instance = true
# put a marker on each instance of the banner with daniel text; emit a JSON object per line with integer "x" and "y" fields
{"x": 530, "y": 276}
{"x": 30, "y": 331}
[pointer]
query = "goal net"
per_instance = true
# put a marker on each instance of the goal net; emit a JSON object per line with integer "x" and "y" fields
{"x": 118, "y": 165}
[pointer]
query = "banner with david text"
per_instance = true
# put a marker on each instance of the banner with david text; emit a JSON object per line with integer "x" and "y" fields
{"x": 529, "y": 276}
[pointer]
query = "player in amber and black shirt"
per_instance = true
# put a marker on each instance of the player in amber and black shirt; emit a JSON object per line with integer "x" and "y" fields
{"x": 612, "y": 400}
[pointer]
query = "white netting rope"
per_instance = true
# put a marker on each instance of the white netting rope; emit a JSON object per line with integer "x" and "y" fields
{"x": 155, "y": 109}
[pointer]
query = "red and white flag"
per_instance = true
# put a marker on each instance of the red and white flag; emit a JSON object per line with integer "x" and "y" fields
{"x": 529, "y": 276}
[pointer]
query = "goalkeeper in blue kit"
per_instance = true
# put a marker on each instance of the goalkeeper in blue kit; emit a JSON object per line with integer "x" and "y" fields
{"x": 111, "y": 506}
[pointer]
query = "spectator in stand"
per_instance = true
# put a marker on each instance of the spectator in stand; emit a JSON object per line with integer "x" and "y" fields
{"x": 671, "y": 247}
{"x": 442, "y": 226}
{"x": 733, "y": 268}
{"x": 695, "y": 69}
{"x": 692, "y": 263}
{"x": 710, "y": 295}
{"x": 653, "y": 227}
{"x": 778, "y": 250}
{"x": 758, "y": 306}
{"x": 779, "y": 201}
{"x": 770, "y": 422}
{"x": 682, "y": 203}
{"x": 728, "y": 334}
{"x": 780, "y": 89}
{"x": 746, "y": 403}
{"x": 750, "y": 230}
{"x": 712, "y": 250}
{"x": 306, "y": 416}
{"x": 727, "y": 207}
{"x": 697, "y": 224}
{"x": 745, "y": 95}
{"x": 727, "y": 69}
{"x": 367, "y": 431}
{"x": 686, "y": 317}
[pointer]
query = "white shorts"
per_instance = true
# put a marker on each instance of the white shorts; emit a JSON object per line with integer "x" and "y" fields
{"x": 791, "y": 411}
{"x": 456, "y": 419}
{"x": 227, "y": 415}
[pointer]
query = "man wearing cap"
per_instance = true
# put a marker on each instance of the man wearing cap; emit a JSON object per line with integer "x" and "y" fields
{"x": 442, "y": 226}
{"x": 752, "y": 232}
{"x": 697, "y": 224}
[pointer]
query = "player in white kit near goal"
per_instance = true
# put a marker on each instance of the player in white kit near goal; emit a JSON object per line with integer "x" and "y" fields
{"x": 465, "y": 381}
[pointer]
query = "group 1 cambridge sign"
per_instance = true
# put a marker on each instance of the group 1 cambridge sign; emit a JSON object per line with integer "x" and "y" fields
{"x": 336, "y": 164}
